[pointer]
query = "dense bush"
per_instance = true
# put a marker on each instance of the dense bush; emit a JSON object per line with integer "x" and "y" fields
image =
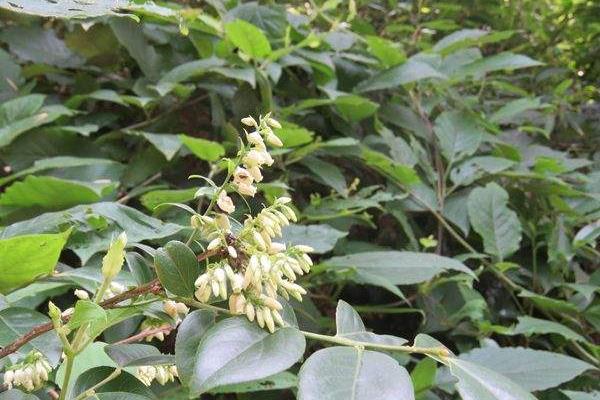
{"x": 439, "y": 161}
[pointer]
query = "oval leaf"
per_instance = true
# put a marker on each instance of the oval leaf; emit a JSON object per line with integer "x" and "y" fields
{"x": 236, "y": 351}
{"x": 345, "y": 373}
{"x": 177, "y": 268}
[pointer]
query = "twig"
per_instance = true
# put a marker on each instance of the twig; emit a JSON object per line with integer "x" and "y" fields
{"x": 153, "y": 286}
{"x": 133, "y": 191}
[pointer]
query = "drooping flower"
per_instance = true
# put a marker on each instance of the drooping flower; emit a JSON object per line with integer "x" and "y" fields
{"x": 225, "y": 203}
{"x": 30, "y": 374}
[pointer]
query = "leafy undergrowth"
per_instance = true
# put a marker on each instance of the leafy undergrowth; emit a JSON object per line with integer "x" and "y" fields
{"x": 439, "y": 179}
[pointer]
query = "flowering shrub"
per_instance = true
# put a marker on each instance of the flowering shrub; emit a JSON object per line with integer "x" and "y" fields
{"x": 315, "y": 200}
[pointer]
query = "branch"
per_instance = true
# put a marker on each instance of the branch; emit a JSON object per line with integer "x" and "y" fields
{"x": 153, "y": 286}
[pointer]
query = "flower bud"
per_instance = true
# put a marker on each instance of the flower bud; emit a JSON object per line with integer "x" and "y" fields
{"x": 225, "y": 203}
{"x": 81, "y": 294}
{"x": 256, "y": 174}
{"x": 54, "y": 312}
{"x": 304, "y": 248}
{"x": 214, "y": 244}
{"x": 113, "y": 260}
{"x": 274, "y": 123}
{"x": 250, "y": 312}
{"x": 249, "y": 121}
{"x": 246, "y": 190}
{"x": 232, "y": 252}
{"x": 276, "y": 247}
{"x": 269, "y": 320}
{"x": 274, "y": 140}
{"x": 170, "y": 307}
{"x": 255, "y": 139}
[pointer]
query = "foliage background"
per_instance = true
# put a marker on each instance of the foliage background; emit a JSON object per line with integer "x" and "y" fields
{"x": 469, "y": 129}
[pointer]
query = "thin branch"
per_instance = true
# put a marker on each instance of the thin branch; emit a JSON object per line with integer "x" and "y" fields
{"x": 153, "y": 287}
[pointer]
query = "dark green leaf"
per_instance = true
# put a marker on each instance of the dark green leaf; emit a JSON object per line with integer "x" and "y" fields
{"x": 177, "y": 268}
{"x": 235, "y": 351}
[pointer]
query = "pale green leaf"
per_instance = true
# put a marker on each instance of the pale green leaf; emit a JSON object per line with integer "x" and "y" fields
{"x": 236, "y": 350}
{"x": 346, "y": 373}
{"x": 248, "y": 38}
{"x": 494, "y": 221}
{"x": 202, "y": 148}
{"x": 409, "y": 72}
{"x": 26, "y": 258}
{"x": 531, "y": 369}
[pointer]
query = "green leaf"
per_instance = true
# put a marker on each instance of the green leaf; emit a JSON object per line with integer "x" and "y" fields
{"x": 92, "y": 356}
{"x": 534, "y": 326}
{"x": 550, "y": 304}
{"x": 349, "y": 325}
{"x": 189, "y": 335}
{"x": 16, "y": 321}
{"x": 65, "y": 8}
{"x": 177, "y": 268}
{"x": 343, "y": 373}
{"x": 400, "y": 173}
{"x": 279, "y": 381}
{"x": 386, "y": 51}
{"x": 98, "y": 224}
{"x": 168, "y": 144}
{"x": 457, "y": 37}
{"x": 39, "y": 45}
{"x": 63, "y": 163}
{"x": 396, "y": 267}
{"x": 498, "y": 225}
{"x": 24, "y": 113}
{"x": 248, "y": 38}
{"x": 510, "y": 110}
{"x": 479, "y": 383}
{"x": 458, "y": 134}
{"x": 236, "y": 350}
{"x": 126, "y": 385}
{"x": 355, "y": 108}
{"x": 26, "y": 258}
{"x": 86, "y": 311}
{"x": 190, "y": 70}
{"x": 423, "y": 375}
{"x": 498, "y": 62}
{"x": 49, "y": 193}
{"x": 409, "y": 72}
{"x": 10, "y": 74}
{"x": 154, "y": 198}
{"x": 531, "y": 369}
{"x": 327, "y": 173}
{"x": 293, "y": 135}
{"x": 572, "y": 395}
{"x": 322, "y": 238}
{"x": 131, "y": 36}
{"x": 135, "y": 354}
{"x": 202, "y": 148}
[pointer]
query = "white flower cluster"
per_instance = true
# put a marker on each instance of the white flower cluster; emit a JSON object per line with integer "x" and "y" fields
{"x": 161, "y": 373}
{"x": 256, "y": 269}
{"x": 253, "y": 159}
{"x": 175, "y": 310}
{"x": 263, "y": 270}
{"x": 29, "y": 374}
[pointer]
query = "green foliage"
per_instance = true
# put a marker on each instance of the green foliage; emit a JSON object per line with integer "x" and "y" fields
{"x": 441, "y": 158}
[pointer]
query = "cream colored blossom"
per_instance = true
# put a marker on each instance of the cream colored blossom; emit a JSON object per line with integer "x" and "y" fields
{"x": 225, "y": 203}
